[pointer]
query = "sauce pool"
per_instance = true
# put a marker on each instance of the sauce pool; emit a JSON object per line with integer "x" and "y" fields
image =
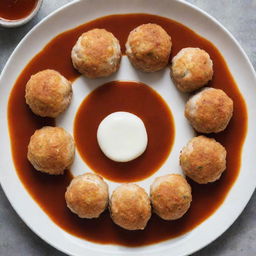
{"x": 16, "y": 9}
{"x": 49, "y": 191}
{"x": 124, "y": 96}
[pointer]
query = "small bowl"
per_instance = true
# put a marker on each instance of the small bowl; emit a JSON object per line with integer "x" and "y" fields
{"x": 22, "y": 21}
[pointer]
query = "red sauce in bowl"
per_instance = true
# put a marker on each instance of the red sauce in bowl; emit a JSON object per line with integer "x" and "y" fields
{"x": 16, "y": 9}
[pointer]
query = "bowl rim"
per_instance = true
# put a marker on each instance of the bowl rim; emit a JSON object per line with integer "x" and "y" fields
{"x": 22, "y": 21}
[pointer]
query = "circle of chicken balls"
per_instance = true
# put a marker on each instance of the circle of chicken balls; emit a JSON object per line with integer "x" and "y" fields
{"x": 96, "y": 54}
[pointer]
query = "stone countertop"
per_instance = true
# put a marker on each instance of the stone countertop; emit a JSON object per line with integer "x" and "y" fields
{"x": 239, "y": 17}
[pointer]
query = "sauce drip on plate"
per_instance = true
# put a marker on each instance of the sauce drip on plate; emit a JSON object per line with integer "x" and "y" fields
{"x": 16, "y": 9}
{"x": 49, "y": 191}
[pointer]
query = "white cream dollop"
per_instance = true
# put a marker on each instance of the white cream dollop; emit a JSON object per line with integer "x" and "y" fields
{"x": 122, "y": 136}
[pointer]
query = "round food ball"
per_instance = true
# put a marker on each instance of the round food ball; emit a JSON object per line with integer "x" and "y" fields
{"x": 51, "y": 150}
{"x": 191, "y": 69}
{"x": 130, "y": 207}
{"x": 170, "y": 196}
{"x": 48, "y": 93}
{"x": 87, "y": 195}
{"x": 203, "y": 159}
{"x": 97, "y": 53}
{"x": 148, "y": 47}
{"x": 209, "y": 110}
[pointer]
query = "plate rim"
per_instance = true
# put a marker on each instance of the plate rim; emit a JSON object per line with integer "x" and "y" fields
{"x": 204, "y": 13}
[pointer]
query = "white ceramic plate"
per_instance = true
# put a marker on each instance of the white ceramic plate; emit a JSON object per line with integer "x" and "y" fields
{"x": 80, "y": 12}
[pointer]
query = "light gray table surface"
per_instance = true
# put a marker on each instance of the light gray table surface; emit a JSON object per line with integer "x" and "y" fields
{"x": 239, "y": 17}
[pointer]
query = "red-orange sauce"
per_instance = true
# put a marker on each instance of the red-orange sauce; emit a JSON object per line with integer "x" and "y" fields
{"x": 49, "y": 191}
{"x": 16, "y": 9}
{"x": 135, "y": 98}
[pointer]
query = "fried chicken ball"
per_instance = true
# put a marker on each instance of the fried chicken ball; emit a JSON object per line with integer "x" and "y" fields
{"x": 191, "y": 69}
{"x": 148, "y": 47}
{"x": 170, "y": 196}
{"x": 209, "y": 111}
{"x": 130, "y": 207}
{"x": 51, "y": 150}
{"x": 203, "y": 159}
{"x": 87, "y": 195}
{"x": 96, "y": 54}
{"x": 48, "y": 93}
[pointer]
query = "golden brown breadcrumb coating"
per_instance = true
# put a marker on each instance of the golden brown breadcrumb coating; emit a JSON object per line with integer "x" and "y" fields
{"x": 170, "y": 196}
{"x": 87, "y": 195}
{"x": 148, "y": 47}
{"x": 203, "y": 159}
{"x": 48, "y": 93}
{"x": 51, "y": 150}
{"x": 130, "y": 207}
{"x": 96, "y": 53}
{"x": 209, "y": 111}
{"x": 191, "y": 69}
